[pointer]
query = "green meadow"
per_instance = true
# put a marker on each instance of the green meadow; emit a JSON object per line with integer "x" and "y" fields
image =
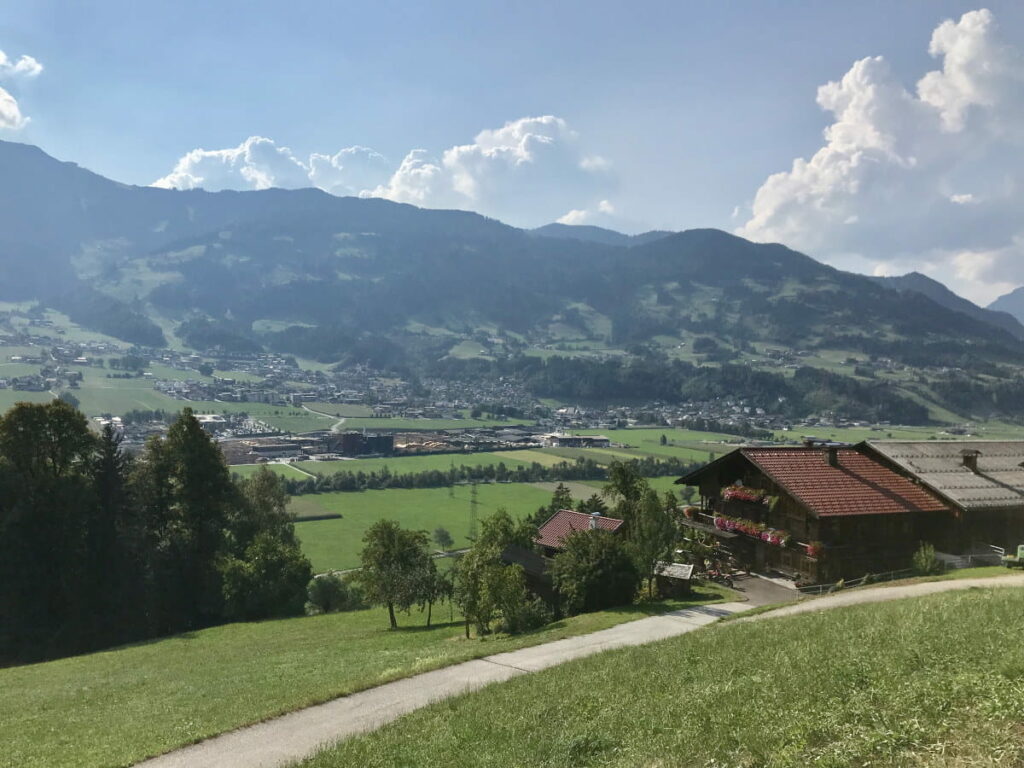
{"x": 284, "y": 470}
{"x": 9, "y": 397}
{"x": 336, "y": 543}
{"x": 993, "y": 430}
{"x": 928, "y": 681}
{"x": 114, "y": 708}
{"x": 421, "y": 425}
{"x": 419, "y": 463}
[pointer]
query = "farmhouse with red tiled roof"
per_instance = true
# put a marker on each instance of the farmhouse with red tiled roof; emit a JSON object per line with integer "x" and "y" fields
{"x": 552, "y": 534}
{"x": 816, "y": 513}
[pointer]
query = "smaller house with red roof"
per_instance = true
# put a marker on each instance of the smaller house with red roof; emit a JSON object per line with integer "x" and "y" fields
{"x": 552, "y": 534}
{"x": 815, "y": 514}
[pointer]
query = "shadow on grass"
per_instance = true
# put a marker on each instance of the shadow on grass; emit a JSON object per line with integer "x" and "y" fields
{"x": 657, "y": 607}
{"x": 424, "y": 628}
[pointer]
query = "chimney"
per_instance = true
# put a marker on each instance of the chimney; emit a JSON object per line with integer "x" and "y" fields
{"x": 832, "y": 456}
{"x": 593, "y": 520}
{"x": 970, "y": 458}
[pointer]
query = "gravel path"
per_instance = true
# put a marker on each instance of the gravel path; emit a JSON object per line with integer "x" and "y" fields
{"x": 298, "y": 735}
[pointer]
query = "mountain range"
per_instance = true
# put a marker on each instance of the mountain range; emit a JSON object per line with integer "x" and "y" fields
{"x": 1011, "y": 303}
{"x": 336, "y": 278}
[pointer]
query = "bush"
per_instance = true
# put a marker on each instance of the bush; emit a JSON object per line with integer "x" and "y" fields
{"x": 330, "y": 592}
{"x": 266, "y": 582}
{"x": 926, "y": 563}
{"x": 530, "y": 614}
{"x": 595, "y": 571}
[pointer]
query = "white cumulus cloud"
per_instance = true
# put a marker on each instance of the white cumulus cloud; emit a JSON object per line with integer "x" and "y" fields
{"x": 26, "y": 67}
{"x": 256, "y": 163}
{"x": 528, "y": 172}
{"x": 349, "y": 171}
{"x": 930, "y": 178}
{"x": 575, "y": 217}
{"x": 603, "y": 214}
{"x": 10, "y": 114}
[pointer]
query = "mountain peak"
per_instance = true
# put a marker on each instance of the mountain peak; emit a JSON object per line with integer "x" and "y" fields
{"x": 591, "y": 234}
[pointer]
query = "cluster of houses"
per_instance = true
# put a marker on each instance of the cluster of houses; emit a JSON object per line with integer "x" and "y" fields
{"x": 327, "y": 445}
{"x": 823, "y": 513}
{"x": 726, "y": 414}
{"x": 312, "y": 446}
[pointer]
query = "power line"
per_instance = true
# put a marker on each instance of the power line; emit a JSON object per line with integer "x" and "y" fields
{"x": 472, "y": 512}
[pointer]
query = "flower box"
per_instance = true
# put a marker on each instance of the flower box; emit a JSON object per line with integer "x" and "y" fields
{"x": 741, "y": 493}
{"x": 773, "y": 536}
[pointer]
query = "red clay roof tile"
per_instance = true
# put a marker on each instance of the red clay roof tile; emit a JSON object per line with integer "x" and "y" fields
{"x": 859, "y": 485}
{"x": 567, "y": 521}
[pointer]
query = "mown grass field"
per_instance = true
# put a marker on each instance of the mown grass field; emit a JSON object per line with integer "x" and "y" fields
{"x": 341, "y": 410}
{"x": 424, "y": 425}
{"x": 608, "y": 455}
{"x": 983, "y": 431}
{"x": 651, "y": 436}
{"x": 686, "y": 444}
{"x": 337, "y": 543}
{"x": 545, "y": 456}
{"x": 98, "y": 395}
{"x": 930, "y": 681}
{"x": 117, "y": 707}
{"x": 284, "y": 470}
{"x": 423, "y": 463}
{"x": 10, "y": 397}
{"x": 648, "y": 439}
{"x": 283, "y": 417}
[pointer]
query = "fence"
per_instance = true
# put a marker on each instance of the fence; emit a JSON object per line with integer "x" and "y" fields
{"x": 870, "y": 578}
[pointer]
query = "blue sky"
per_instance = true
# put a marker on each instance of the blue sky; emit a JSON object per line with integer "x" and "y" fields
{"x": 669, "y": 115}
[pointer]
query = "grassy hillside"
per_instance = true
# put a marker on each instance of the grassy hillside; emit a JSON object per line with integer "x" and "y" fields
{"x": 261, "y": 258}
{"x": 934, "y": 681}
{"x": 117, "y": 707}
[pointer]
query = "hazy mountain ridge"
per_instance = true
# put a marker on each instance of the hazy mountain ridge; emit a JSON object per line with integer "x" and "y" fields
{"x": 351, "y": 267}
{"x": 592, "y": 234}
{"x": 940, "y": 294}
{"x": 1011, "y": 303}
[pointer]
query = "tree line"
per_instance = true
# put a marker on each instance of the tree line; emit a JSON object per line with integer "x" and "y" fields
{"x": 98, "y": 548}
{"x": 581, "y": 469}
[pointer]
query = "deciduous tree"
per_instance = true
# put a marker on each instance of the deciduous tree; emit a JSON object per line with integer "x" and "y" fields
{"x": 394, "y": 561}
{"x": 653, "y": 536}
{"x": 594, "y": 571}
{"x": 443, "y": 538}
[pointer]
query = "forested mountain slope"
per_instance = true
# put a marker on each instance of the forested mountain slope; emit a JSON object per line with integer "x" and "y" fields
{"x": 343, "y": 279}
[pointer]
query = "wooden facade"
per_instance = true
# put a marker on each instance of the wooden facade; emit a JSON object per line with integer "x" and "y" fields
{"x": 863, "y": 517}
